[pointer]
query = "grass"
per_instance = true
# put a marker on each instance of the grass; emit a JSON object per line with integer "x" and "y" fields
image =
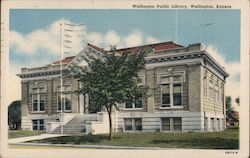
{"x": 18, "y": 133}
{"x": 228, "y": 139}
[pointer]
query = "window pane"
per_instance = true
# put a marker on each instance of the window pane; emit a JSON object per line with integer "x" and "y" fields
{"x": 177, "y": 124}
{"x": 41, "y": 126}
{"x": 165, "y": 122}
{"x": 34, "y": 124}
{"x": 138, "y": 124}
{"x": 42, "y": 101}
{"x": 165, "y": 95}
{"x": 34, "y": 127}
{"x": 59, "y": 103}
{"x": 41, "y": 122}
{"x": 165, "y": 100}
{"x": 138, "y": 103}
{"x": 41, "y": 106}
{"x": 177, "y": 95}
{"x": 177, "y": 100}
{"x": 129, "y": 104}
{"x": 177, "y": 88}
{"x": 68, "y": 104}
{"x": 35, "y": 106}
{"x": 128, "y": 124}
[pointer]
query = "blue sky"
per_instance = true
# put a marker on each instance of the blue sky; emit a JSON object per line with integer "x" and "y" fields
{"x": 223, "y": 33}
{"x": 34, "y": 33}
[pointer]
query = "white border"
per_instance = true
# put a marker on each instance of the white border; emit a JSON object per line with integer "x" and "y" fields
{"x": 124, "y": 4}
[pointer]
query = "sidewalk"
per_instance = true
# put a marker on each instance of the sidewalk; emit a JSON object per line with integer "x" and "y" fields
{"x": 88, "y": 146}
{"x": 24, "y": 139}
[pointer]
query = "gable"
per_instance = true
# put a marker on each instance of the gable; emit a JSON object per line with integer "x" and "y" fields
{"x": 84, "y": 56}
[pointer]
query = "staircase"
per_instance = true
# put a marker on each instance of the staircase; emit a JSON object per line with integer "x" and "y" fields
{"x": 77, "y": 125}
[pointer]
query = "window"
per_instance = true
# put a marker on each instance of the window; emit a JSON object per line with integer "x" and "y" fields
{"x": 132, "y": 124}
{"x": 171, "y": 124}
{"x": 165, "y": 123}
{"x": 128, "y": 124}
{"x": 66, "y": 102}
{"x": 38, "y": 100}
{"x": 133, "y": 104}
{"x": 37, "y": 124}
{"x": 165, "y": 91}
{"x": 177, "y": 95}
{"x": 171, "y": 90}
{"x": 177, "y": 123}
{"x": 211, "y": 90}
{"x": 138, "y": 124}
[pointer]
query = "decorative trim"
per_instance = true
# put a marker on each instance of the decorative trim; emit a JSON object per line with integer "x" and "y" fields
{"x": 39, "y": 74}
{"x": 132, "y": 109}
{"x": 173, "y": 107}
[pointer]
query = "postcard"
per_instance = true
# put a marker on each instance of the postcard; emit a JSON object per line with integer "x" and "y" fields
{"x": 124, "y": 78}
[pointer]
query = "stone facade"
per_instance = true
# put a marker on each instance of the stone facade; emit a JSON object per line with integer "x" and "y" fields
{"x": 186, "y": 92}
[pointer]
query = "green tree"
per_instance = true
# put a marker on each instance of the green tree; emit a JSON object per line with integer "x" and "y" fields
{"x": 14, "y": 115}
{"x": 237, "y": 100}
{"x": 112, "y": 79}
{"x": 231, "y": 114}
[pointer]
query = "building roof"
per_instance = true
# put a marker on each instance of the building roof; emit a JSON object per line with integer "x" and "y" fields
{"x": 157, "y": 48}
{"x": 65, "y": 60}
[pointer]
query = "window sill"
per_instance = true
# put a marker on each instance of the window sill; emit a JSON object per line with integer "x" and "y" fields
{"x": 37, "y": 112}
{"x": 65, "y": 111}
{"x": 132, "y": 109}
{"x": 173, "y": 107}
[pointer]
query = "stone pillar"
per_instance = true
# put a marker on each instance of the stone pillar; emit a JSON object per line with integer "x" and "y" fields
{"x": 86, "y": 104}
{"x": 194, "y": 86}
{"x": 150, "y": 80}
{"x": 25, "y": 100}
{"x": 50, "y": 95}
{"x": 74, "y": 97}
{"x": 25, "y": 120}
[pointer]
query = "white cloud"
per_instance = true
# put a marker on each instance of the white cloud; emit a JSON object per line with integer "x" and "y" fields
{"x": 133, "y": 39}
{"x": 95, "y": 38}
{"x": 233, "y": 68}
{"x": 48, "y": 40}
{"x": 151, "y": 40}
{"x": 112, "y": 38}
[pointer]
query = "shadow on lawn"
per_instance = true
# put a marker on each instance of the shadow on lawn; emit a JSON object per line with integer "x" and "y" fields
{"x": 209, "y": 143}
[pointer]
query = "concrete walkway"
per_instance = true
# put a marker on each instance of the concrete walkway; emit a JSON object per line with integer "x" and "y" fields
{"x": 86, "y": 146}
{"x": 42, "y": 136}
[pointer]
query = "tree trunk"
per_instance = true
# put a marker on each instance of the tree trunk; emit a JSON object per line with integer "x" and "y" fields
{"x": 110, "y": 126}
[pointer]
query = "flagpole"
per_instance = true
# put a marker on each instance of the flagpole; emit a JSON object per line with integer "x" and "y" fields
{"x": 61, "y": 79}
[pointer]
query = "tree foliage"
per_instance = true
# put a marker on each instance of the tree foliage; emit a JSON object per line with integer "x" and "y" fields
{"x": 237, "y": 100}
{"x": 112, "y": 79}
{"x": 232, "y": 116}
{"x": 14, "y": 115}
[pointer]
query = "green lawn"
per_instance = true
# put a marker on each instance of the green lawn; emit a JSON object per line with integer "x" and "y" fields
{"x": 17, "y": 134}
{"x": 228, "y": 139}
